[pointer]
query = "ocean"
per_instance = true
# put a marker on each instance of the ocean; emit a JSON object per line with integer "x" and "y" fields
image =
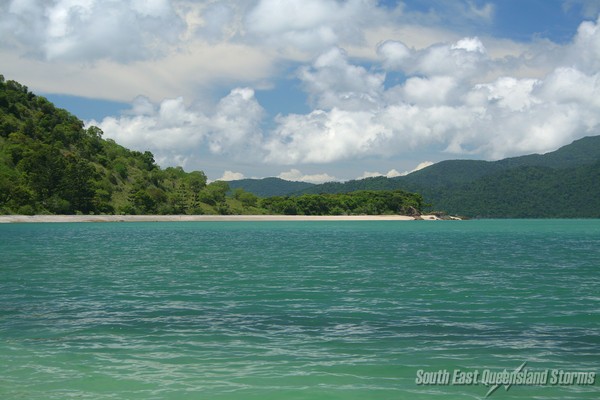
{"x": 508, "y": 309}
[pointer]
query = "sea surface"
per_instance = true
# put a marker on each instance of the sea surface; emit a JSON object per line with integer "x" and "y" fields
{"x": 298, "y": 310}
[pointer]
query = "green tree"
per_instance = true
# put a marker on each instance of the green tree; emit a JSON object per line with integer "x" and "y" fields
{"x": 76, "y": 185}
{"x": 247, "y": 199}
{"x": 214, "y": 193}
{"x": 44, "y": 167}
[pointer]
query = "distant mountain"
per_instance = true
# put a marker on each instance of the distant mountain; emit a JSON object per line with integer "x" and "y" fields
{"x": 563, "y": 183}
{"x": 268, "y": 187}
{"x": 584, "y": 151}
{"x": 525, "y": 192}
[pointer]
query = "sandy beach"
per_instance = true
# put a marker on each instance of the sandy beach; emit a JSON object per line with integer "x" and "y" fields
{"x": 196, "y": 218}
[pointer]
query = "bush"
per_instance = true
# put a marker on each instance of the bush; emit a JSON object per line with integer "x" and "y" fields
{"x": 26, "y": 210}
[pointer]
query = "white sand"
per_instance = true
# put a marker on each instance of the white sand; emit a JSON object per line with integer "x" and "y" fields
{"x": 168, "y": 218}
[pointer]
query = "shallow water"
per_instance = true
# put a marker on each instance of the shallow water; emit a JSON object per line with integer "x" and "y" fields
{"x": 295, "y": 310}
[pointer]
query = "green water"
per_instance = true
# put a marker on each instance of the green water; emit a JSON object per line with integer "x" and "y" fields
{"x": 295, "y": 310}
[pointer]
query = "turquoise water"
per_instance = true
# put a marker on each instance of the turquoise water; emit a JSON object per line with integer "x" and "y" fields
{"x": 295, "y": 310}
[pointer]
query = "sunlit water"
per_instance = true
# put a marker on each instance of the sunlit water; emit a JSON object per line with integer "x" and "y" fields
{"x": 295, "y": 310}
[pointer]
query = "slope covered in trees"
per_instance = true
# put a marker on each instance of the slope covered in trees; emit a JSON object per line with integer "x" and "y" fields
{"x": 526, "y": 192}
{"x": 268, "y": 187}
{"x": 50, "y": 163}
{"x": 353, "y": 203}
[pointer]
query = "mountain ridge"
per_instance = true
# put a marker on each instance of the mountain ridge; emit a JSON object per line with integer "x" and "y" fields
{"x": 267, "y": 187}
{"x": 554, "y": 184}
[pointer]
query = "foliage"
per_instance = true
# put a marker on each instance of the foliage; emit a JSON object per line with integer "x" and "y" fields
{"x": 353, "y": 203}
{"x": 268, "y": 187}
{"x": 51, "y": 163}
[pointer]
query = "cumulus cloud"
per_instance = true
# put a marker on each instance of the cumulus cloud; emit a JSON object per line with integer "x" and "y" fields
{"x": 169, "y": 126}
{"x": 419, "y": 167}
{"x": 231, "y": 176}
{"x": 89, "y": 30}
{"x": 445, "y": 102}
{"x": 235, "y": 126}
{"x": 325, "y": 136}
{"x": 310, "y": 25}
{"x": 393, "y": 173}
{"x": 461, "y": 95}
{"x": 297, "y": 176}
{"x": 333, "y": 82}
{"x": 177, "y": 132}
{"x": 395, "y": 55}
{"x": 390, "y": 174}
{"x": 463, "y": 59}
{"x": 585, "y": 50}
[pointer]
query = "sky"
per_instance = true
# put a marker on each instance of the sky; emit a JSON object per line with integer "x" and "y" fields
{"x": 314, "y": 90}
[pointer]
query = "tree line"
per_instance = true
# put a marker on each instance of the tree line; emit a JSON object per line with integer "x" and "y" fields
{"x": 362, "y": 202}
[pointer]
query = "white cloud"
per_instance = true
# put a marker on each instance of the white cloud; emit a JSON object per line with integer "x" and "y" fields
{"x": 293, "y": 26}
{"x": 463, "y": 59}
{"x": 390, "y": 174}
{"x": 394, "y": 55}
{"x": 428, "y": 91}
{"x": 419, "y": 167}
{"x": 470, "y": 44}
{"x": 321, "y": 137}
{"x": 297, "y": 176}
{"x": 170, "y": 127}
{"x": 333, "y": 82}
{"x": 236, "y": 124}
{"x": 506, "y": 93}
{"x": 231, "y": 176}
{"x": 189, "y": 74}
{"x": 394, "y": 173}
{"x": 175, "y": 132}
{"x": 89, "y": 30}
{"x": 585, "y": 51}
{"x": 457, "y": 93}
{"x": 368, "y": 174}
{"x": 445, "y": 104}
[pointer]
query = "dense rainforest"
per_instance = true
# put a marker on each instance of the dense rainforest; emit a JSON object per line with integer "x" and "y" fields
{"x": 354, "y": 203}
{"x": 51, "y": 164}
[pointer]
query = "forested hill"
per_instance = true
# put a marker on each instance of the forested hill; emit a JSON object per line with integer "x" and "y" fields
{"x": 585, "y": 151}
{"x": 561, "y": 184}
{"x": 49, "y": 163}
{"x": 268, "y": 187}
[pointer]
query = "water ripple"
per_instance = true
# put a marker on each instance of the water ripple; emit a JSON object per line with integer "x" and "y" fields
{"x": 293, "y": 310}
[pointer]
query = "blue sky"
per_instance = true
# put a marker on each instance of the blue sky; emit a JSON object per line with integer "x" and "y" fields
{"x": 314, "y": 90}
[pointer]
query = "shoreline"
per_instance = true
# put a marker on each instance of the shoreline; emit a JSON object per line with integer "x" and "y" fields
{"x": 207, "y": 218}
